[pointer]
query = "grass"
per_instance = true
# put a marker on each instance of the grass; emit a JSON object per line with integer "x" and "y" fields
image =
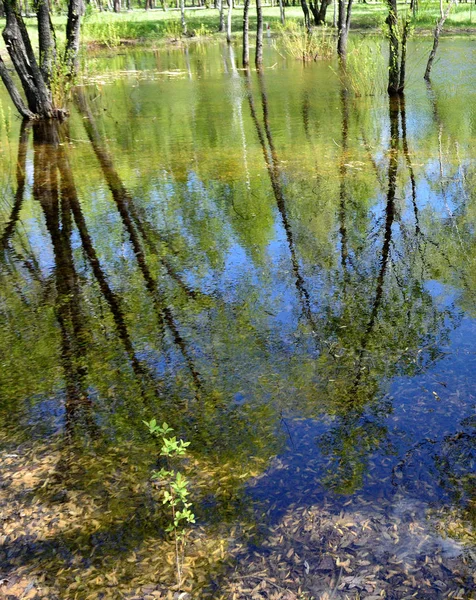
{"x": 143, "y": 26}
{"x": 297, "y": 42}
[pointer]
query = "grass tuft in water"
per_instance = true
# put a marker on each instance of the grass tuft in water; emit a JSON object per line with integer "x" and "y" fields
{"x": 365, "y": 73}
{"x": 296, "y": 41}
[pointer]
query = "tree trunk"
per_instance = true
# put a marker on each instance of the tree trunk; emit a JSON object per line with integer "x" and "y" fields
{"x": 228, "y": 22}
{"x": 14, "y": 93}
{"x": 23, "y": 58}
{"x": 282, "y": 16}
{"x": 436, "y": 39}
{"x": 73, "y": 26}
{"x": 305, "y": 10}
{"x": 393, "y": 67}
{"x": 403, "y": 58}
{"x": 259, "y": 35}
{"x": 246, "y": 45}
{"x": 344, "y": 14}
{"x": 46, "y": 39}
{"x": 221, "y": 25}
{"x": 182, "y": 17}
{"x": 321, "y": 15}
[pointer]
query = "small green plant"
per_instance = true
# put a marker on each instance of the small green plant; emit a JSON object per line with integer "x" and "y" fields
{"x": 61, "y": 82}
{"x": 173, "y": 29}
{"x": 202, "y": 31}
{"x": 175, "y": 490}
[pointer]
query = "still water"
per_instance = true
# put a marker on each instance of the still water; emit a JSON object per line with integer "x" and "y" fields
{"x": 285, "y": 274}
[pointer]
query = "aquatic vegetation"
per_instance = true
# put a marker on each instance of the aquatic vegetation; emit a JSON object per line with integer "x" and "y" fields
{"x": 365, "y": 72}
{"x": 300, "y": 43}
{"x": 175, "y": 493}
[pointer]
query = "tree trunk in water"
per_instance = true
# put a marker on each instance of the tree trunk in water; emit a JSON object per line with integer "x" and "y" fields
{"x": 246, "y": 46}
{"x": 26, "y": 66}
{"x": 436, "y": 40}
{"x": 73, "y": 26}
{"x": 228, "y": 22}
{"x": 403, "y": 59}
{"x": 259, "y": 35}
{"x": 393, "y": 68}
{"x": 343, "y": 24}
{"x": 46, "y": 39}
{"x": 14, "y": 93}
{"x": 182, "y": 17}
{"x": 282, "y": 16}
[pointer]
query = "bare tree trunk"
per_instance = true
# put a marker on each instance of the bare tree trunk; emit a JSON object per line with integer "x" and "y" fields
{"x": 259, "y": 35}
{"x": 393, "y": 66}
{"x": 14, "y": 93}
{"x": 73, "y": 26}
{"x": 228, "y": 22}
{"x": 182, "y": 17}
{"x": 334, "y": 15}
{"x": 26, "y": 66}
{"x": 221, "y": 25}
{"x": 436, "y": 38}
{"x": 403, "y": 58}
{"x": 344, "y": 14}
{"x": 46, "y": 39}
{"x": 282, "y": 16}
{"x": 305, "y": 10}
{"x": 246, "y": 44}
{"x": 319, "y": 12}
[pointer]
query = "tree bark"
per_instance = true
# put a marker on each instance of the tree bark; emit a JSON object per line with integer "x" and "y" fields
{"x": 23, "y": 58}
{"x": 182, "y": 17}
{"x": 46, "y": 39}
{"x": 305, "y": 10}
{"x": 282, "y": 16}
{"x": 403, "y": 58}
{"x": 221, "y": 25}
{"x": 228, "y": 22}
{"x": 246, "y": 44}
{"x": 319, "y": 12}
{"x": 393, "y": 66}
{"x": 259, "y": 35}
{"x": 14, "y": 93}
{"x": 436, "y": 39}
{"x": 73, "y": 26}
{"x": 343, "y": 24}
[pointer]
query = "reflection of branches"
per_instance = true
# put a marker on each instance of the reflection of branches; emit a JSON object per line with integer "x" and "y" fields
{"x": 272, "y": 165}
{"x": 133, "y": 225}
{"x": 20, "y": 173}
{"x": 69, "y": 190}
{"x": 387, "y": 238}
{"x": 56, "y": 210}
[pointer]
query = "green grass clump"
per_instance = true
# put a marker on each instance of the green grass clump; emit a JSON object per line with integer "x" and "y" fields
{"x": 296, "y": 41}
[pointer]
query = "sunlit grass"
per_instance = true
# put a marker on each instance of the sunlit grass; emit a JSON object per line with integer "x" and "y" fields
{"x": 111, "y": 28}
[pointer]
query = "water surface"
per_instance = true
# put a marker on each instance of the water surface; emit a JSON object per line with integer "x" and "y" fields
{"x": 283, "y": 272}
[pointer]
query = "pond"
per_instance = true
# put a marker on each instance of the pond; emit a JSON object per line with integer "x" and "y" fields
{"x": 285, "y": 274}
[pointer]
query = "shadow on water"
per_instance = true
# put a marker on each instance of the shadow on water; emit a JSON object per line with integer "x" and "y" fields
{"x": 323, "y": 374}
